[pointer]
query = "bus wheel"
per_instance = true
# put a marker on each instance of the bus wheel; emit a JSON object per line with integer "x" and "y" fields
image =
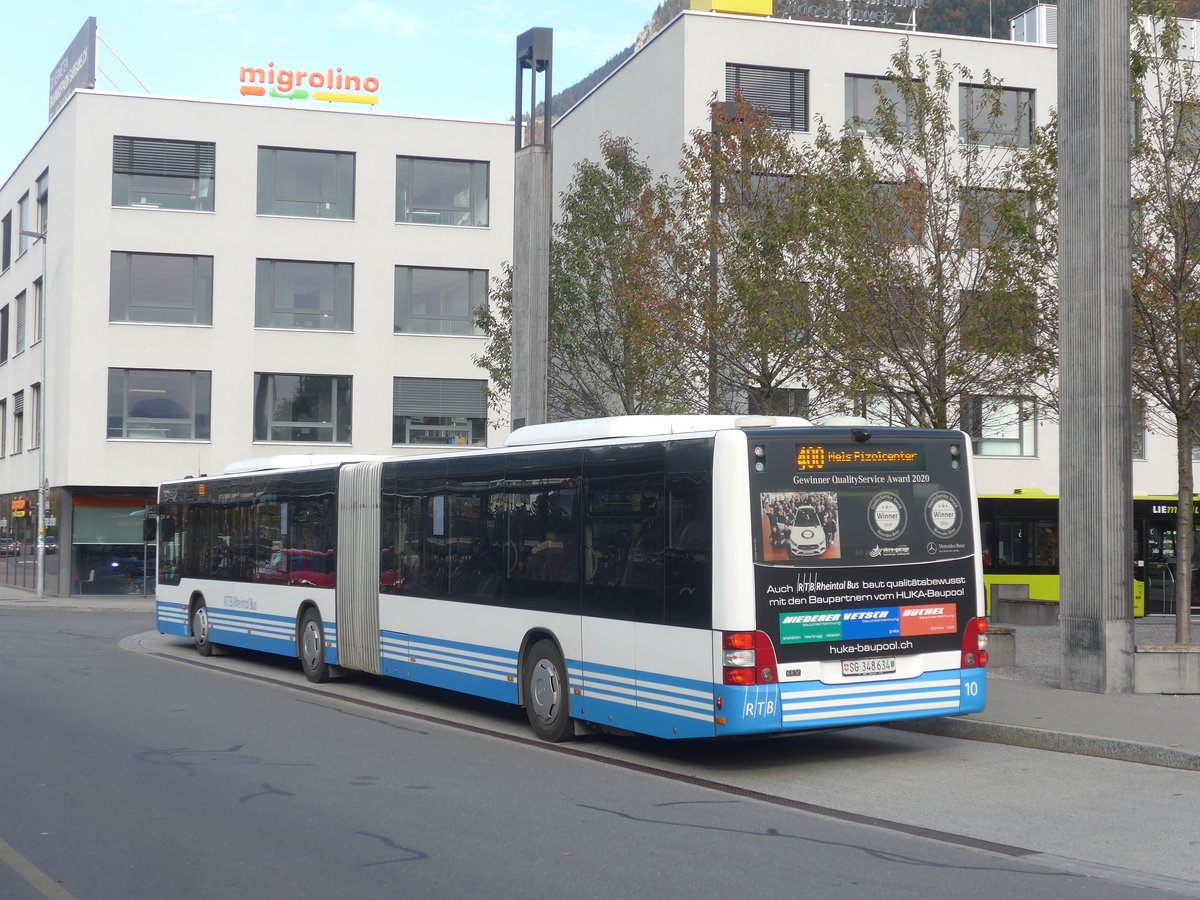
{"x": 200, "y": 635}
{"x": 312, "y": 647}
{"x": 546, "y": 702}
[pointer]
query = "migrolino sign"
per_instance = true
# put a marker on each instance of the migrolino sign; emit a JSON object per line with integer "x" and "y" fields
{"x": 331, "y": 85}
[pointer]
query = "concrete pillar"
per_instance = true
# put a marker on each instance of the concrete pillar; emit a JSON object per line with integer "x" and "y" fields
{"x": 531, "y": 284}
{"x": 534, "y": 193}
{"x": 1096, "y": 510}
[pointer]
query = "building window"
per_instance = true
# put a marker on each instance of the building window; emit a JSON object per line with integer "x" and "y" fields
{"x": 441, "y": 191}
{"x": 895, "y": 410}
{"x": 159, "y": 404}
{"x": 782, "y": 92}
{"x": 18, "y": 421}
{"x": 439, "y": 301}
{"x": 439, "y": 411}
{"x": 4, "y": 334}
{"x": 294, "y": 294}
{"x": 872, "y": 102}
{"x": 43, "y": 202}
{"x": 39, "y": 311}
{"x": 988, "y": 216}
{"x": 36, "y": 397}
{"x": 899, "y": 213}
{"x": 315, "y": 183}
{"x": 794, "y": 402}
{"x": 24, "y": 225}
{"x": 20, "y": 336}
{"x": 311, "y": 409}
{"x": 995, "y": 115}
{"x": 163, "y": 174}
{"x": 1002, "y": 426}
{"x": 6, "y": 237}
{"x": 3, "y": 428}
{"x": 159, "y": 287}
{"x": 994, "y": 321}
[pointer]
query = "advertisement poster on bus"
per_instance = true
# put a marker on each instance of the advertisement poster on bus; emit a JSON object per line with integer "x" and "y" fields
{"x": 863, "y": 550}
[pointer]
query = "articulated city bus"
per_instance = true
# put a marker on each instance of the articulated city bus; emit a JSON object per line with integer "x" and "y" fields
{"x": 635, "y": 574}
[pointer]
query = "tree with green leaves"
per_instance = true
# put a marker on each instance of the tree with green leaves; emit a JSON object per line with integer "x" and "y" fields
{"x": 739, "y": 301}
{"x": 934, "y": 232}
{"x": 609, "y": 353}
{"x": 1165, "y": 181}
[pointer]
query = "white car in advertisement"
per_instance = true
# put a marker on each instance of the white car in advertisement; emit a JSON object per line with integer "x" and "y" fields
{"x": 806, "y": 537}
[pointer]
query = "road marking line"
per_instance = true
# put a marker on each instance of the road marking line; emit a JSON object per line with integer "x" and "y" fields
{"x": 40, "y": 881}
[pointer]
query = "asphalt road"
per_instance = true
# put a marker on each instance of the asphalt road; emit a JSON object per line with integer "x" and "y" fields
{"x": 130, "y": 768}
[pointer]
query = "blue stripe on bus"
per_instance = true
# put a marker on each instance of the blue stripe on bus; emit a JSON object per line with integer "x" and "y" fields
{"x": 469, "y": 668}
{"x": 652, "y": 703}
{"x": 172, "y": 618}
{"x": 246, "y": 628}
{"x": 795, "y": 706}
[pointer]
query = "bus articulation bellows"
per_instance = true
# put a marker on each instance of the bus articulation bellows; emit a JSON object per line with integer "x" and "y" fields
{"x": 634, "y": 574}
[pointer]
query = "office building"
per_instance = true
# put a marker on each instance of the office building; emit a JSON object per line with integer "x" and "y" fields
{"x": 221, "y": 281}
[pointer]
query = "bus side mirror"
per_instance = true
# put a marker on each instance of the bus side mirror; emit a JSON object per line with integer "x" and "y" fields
{"x": 149, "y": 529}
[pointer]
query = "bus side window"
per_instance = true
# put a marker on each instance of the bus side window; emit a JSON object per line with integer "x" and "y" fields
{"x": 689, "y": 545}
{"x": 624, "y": 531}
{"x": 689, "y": 552}
{"x": 476, "y": 519}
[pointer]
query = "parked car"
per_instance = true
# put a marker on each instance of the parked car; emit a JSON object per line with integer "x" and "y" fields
{"x": 10, "y": 546}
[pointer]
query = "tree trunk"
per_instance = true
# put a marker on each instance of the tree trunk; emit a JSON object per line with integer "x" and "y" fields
{"x": 1183, "y": 532}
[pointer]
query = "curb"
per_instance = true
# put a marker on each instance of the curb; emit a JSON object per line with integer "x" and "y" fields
{"x": 1059, "y": 742}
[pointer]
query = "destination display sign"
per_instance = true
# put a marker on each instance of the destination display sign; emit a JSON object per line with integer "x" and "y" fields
{"x": 843, "y": 458}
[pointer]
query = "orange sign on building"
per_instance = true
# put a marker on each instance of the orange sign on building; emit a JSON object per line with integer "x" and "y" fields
{"x": 331, "y": 85}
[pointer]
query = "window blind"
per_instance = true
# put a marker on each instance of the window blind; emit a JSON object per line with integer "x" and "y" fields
{"x": 151, "y": 156}
{"x": 783, "y": 92}
{"x": 439, "y": 397}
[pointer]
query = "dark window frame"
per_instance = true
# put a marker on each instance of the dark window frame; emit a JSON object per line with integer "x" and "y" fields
{"x": 474, "y": 212}
{"x": 273, "y": 196}
{"x": 164, "y": 174}
{"x": 784, "y": 93}
{"x": 123, "y": 306}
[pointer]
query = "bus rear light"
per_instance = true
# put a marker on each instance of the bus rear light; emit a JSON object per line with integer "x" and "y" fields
{"x": 739, "y": 676}
{"x": 974, "y": 645}
{"x": 739, "y": 658}
{"x": 748, "y": 658}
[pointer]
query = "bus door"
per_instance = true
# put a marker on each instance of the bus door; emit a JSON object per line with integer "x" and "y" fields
{"x": 623, "y": 562}
{"x": 358, "y": 567}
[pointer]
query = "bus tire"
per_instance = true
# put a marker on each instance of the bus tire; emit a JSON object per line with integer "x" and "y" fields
{"x": 546, "y": 693}
{"x": 201, "y": 634}
{"x": 310, "y": 646}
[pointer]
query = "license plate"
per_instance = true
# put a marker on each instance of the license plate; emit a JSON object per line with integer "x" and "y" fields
{"x": 882, "y": 665}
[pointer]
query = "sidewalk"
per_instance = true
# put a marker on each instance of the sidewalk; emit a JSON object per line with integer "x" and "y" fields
{"x": 15, "y": 598}
{"x": 1026, "y": 708}
{"x": 1025, "y": 705}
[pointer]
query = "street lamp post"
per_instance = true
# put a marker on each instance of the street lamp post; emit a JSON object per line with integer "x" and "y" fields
{"x": 43, "y": 500}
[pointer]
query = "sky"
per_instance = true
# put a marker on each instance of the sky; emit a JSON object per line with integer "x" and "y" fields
{"x": 449, "y": 58}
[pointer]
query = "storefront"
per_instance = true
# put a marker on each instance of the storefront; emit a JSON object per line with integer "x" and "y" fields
{"x": 109, "y": 553}
{"x": 18, "y": 541}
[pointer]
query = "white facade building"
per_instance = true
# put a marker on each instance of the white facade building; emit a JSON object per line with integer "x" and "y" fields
{"x": 661, "y": 94}
{"x": 227, "y": 280}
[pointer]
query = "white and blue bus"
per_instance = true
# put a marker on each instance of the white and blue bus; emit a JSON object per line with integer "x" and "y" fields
{"x": 633, "y": 574}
